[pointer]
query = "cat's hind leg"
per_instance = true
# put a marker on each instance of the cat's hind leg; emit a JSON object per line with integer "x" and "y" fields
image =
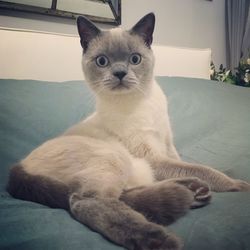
{"x": 101, "y": 210}
{"x": 166, "y": 201}
{"x": 121, "y": 224}
{"x": 163, "y": 202}
{"x": 96, "y": 204}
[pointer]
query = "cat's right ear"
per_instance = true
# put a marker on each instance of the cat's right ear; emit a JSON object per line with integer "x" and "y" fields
{"x": 87, "y": 31}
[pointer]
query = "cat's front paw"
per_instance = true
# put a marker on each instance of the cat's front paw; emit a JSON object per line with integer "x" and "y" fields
{"x": 240, "y": 186}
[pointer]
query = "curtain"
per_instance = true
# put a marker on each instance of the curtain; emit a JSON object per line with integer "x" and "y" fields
{"x": 237, "y": 31}
{"x": 246, "y": 38}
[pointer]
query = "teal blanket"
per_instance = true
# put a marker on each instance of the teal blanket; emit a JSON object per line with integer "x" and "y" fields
{"x": 211, "y": 123}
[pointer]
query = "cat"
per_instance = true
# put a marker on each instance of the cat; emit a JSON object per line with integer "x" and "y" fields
{"x": 118, "y": 171}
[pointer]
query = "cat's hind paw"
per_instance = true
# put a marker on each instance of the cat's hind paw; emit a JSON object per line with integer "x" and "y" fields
{"x": 154, "y": 237}
{"x": 202, "y": 197}
{"x": 199, "y": 188}
{"x": 240, "y": 186}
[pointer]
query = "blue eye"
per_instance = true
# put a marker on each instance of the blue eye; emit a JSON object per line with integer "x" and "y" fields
{"x": 135, "y": 58}
{"x": 102, "y": 61}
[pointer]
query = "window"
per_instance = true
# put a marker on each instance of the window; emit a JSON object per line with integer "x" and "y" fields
{"x": 103, "y": 11}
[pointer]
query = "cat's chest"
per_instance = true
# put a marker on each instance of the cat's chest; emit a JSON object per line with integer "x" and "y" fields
{"x": 149, "y": 117}
{"x": 140, "y": 129}
{"x": 137, "y": 121}
{"x": 127, "y": 118}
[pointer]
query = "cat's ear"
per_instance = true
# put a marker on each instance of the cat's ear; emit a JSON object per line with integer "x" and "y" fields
{"x": 87, "y": 31}
{"x": 145, "y": 28}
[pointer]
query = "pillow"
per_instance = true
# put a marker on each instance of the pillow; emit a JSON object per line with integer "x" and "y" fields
{"x": 185, "y": 62}
{"x": 20, "y": 46}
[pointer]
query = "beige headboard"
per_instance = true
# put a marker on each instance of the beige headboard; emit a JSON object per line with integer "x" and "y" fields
{"x": 56, "y": 57}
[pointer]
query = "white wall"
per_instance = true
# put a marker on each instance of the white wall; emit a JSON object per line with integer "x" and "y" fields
{"x": 185, "y": 23}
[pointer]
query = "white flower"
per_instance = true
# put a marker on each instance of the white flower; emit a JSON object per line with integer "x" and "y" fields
{"x": 211, "y": 72}
{"x": 227, "y": 73}
{"x": 247, "y": 77}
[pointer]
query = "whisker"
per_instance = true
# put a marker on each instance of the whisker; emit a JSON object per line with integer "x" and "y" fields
{"x": 99, "y": 90}
{"x": 137, "y": 87}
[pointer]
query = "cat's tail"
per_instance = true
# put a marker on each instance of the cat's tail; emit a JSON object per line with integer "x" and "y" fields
{"x": 37, "y": 188}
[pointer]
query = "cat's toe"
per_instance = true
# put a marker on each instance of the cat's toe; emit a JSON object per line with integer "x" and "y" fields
{"x": 240, "y": 186}
{"x": 202, "y": 194}
{"x": 202, "y": 197}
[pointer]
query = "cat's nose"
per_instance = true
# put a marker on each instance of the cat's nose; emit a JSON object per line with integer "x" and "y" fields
{"x": 120, "y": 74}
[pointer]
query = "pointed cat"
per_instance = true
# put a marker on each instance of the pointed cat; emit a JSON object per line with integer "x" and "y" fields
{"x": 118, "y": 170}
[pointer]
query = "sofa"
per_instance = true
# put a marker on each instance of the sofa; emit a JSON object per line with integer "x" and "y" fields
{"x": 211, "y": 125}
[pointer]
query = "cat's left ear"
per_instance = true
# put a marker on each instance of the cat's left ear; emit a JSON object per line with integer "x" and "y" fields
{"x": 87, "y": 31}
{"x": 145, "y": 28}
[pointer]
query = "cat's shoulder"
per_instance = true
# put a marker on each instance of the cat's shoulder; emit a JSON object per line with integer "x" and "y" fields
{"x": 91, "y": 127}
{"x": 83, "y": 126}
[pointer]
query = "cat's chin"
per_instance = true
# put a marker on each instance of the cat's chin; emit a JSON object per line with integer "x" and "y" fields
{"x": 122, "y": 87}
{"x": 119, "y": 87}
{"x": 121, "y": 90}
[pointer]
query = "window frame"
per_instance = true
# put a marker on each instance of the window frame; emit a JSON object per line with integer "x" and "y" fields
{"x": 115, "y": 6}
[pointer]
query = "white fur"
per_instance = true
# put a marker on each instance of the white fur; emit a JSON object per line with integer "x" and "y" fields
{"x": 129, "y": 123}
{"x": 133, "y": 121}
{"x": 129, "y": 129}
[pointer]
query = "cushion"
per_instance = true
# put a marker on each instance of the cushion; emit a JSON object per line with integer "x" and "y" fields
{"x": 20, "y": 46}
{"x": 185, "y": 62}
{"x": 211, "y": 125}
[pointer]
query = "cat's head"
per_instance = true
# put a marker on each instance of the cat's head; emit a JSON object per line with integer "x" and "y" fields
{"x": 118, "y": 61}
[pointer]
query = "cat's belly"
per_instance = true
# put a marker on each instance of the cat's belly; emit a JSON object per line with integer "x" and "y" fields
{"x": 141, "y": 174}
{"x": 90, "y": 161}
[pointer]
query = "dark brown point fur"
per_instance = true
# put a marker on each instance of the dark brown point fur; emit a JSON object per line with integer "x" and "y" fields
{"x": 162, "y": 203}
{"x": 41, "y": 189}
